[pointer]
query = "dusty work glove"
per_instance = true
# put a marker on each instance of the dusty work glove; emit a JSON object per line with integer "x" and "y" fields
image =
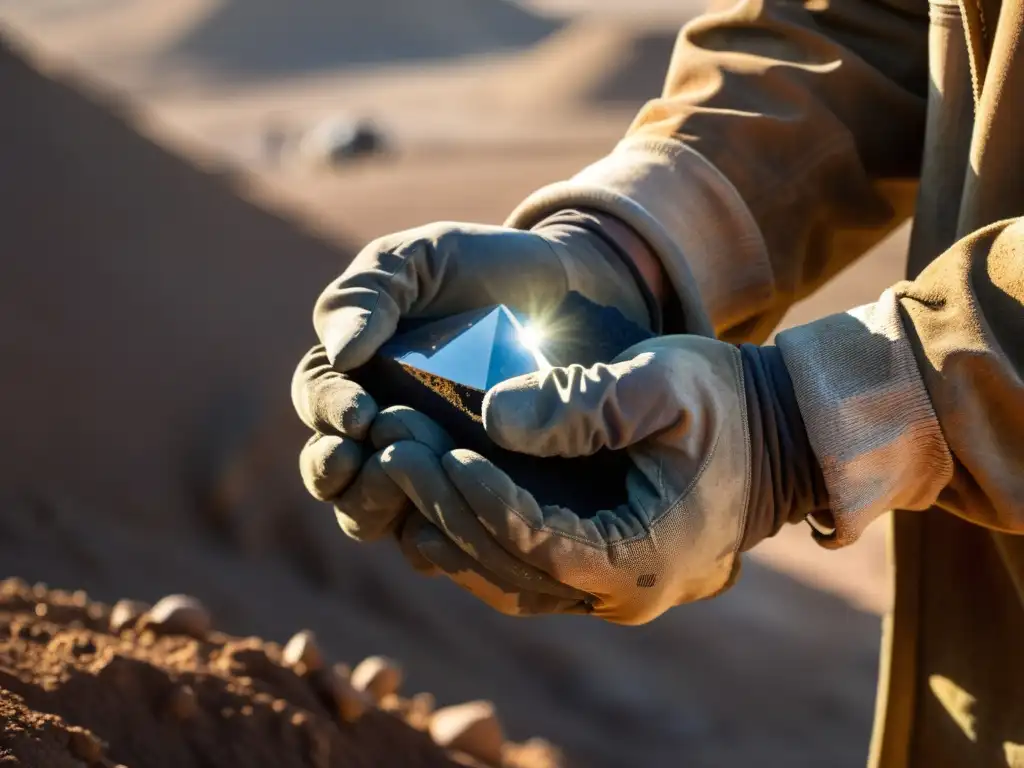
{"x": 720, "y": 461}
{"x": 434, "y": 271}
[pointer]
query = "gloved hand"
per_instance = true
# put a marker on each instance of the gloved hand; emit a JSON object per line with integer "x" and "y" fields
{"x": 720, "y": 461}
{"x": 434, "y": 271}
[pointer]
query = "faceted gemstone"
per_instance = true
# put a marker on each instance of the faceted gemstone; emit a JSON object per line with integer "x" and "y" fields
{"x": 443, "y": 368}
{"x": 476, "y": 349}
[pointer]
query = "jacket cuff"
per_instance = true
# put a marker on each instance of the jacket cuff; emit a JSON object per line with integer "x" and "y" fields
{"x": 690, "y": 215}
{"x": 868, "y": 415}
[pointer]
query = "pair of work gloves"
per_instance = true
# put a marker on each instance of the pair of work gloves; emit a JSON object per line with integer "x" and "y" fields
{"x": 720, "y": 458}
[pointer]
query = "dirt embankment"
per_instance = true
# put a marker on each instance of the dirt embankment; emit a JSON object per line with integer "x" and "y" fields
{"x": 134, "y": 685}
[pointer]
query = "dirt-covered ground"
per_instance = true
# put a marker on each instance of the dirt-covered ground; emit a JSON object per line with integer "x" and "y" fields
{"x": 138, "y": 685}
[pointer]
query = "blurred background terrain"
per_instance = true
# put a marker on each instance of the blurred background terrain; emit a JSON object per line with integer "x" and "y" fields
{"x": 178, "y": 181}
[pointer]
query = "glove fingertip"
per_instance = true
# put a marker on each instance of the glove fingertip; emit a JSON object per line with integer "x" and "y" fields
{"x": 339, "y": 341}
{"x": 399, "y": 423}
{"x": 351, "y": 334}
{"x": 372, "y": 506}
{"x": 327, "y": 464}
{"x": 433, "y": 551}
{"x": 357, "y": 417}
{"x": 419, "y": 557}
{"x": 409, "y": 465}
{"x": 508, "y": 414}
{"x": 403, "y": 455}
{"x": 462, "y": 461}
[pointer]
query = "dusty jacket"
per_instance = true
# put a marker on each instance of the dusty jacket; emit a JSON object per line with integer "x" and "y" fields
{"x": 790, "y": 138}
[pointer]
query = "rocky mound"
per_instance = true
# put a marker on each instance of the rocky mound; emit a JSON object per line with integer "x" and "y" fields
{"x": 257, "y": 38}
{"x": 134, "y": 685}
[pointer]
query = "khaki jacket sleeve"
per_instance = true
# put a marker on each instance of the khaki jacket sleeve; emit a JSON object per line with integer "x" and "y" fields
{"x": 784, "y": 145}
{"x": 918, "y": 398}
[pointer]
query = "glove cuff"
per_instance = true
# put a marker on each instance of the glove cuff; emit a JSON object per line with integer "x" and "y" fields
{"x": 786, "y": 483}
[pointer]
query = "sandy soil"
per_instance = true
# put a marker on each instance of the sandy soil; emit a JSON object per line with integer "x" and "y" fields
{"x": 79, "y": 684}
{"x": 154, "y": 307}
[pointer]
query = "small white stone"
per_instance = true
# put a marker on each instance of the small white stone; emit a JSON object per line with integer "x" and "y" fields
{"x": 303, "y": 649}
{"x": 178, "y": 615}
{"x": 125, "y": 613}
{"x": 420, "y": 710}
{"x": 350, "y": 703}
{"x": 378, "y": 676}
{"x": 472, "y": 728}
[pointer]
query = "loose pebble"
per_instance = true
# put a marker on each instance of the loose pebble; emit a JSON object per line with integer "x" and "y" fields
{"x": 377, "y": 675}
{"x": 178, "y": 615}
{"x": 125, "y": 613}
{"x": 419, "y": 710}
{"x": 391, "y": 703}
{"x": 472, "y": 728}
{"x": 14, "y": 586}
{"x": 535, "y": 753}
{"x": 350, "y": 703}
{"x": 303, "y": 651}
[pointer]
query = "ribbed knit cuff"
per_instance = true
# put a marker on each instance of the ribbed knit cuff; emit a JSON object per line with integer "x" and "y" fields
{"x": 786, "y": 479}
{"x": 690, "y": 215}
{"x": 868, "y": 416}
